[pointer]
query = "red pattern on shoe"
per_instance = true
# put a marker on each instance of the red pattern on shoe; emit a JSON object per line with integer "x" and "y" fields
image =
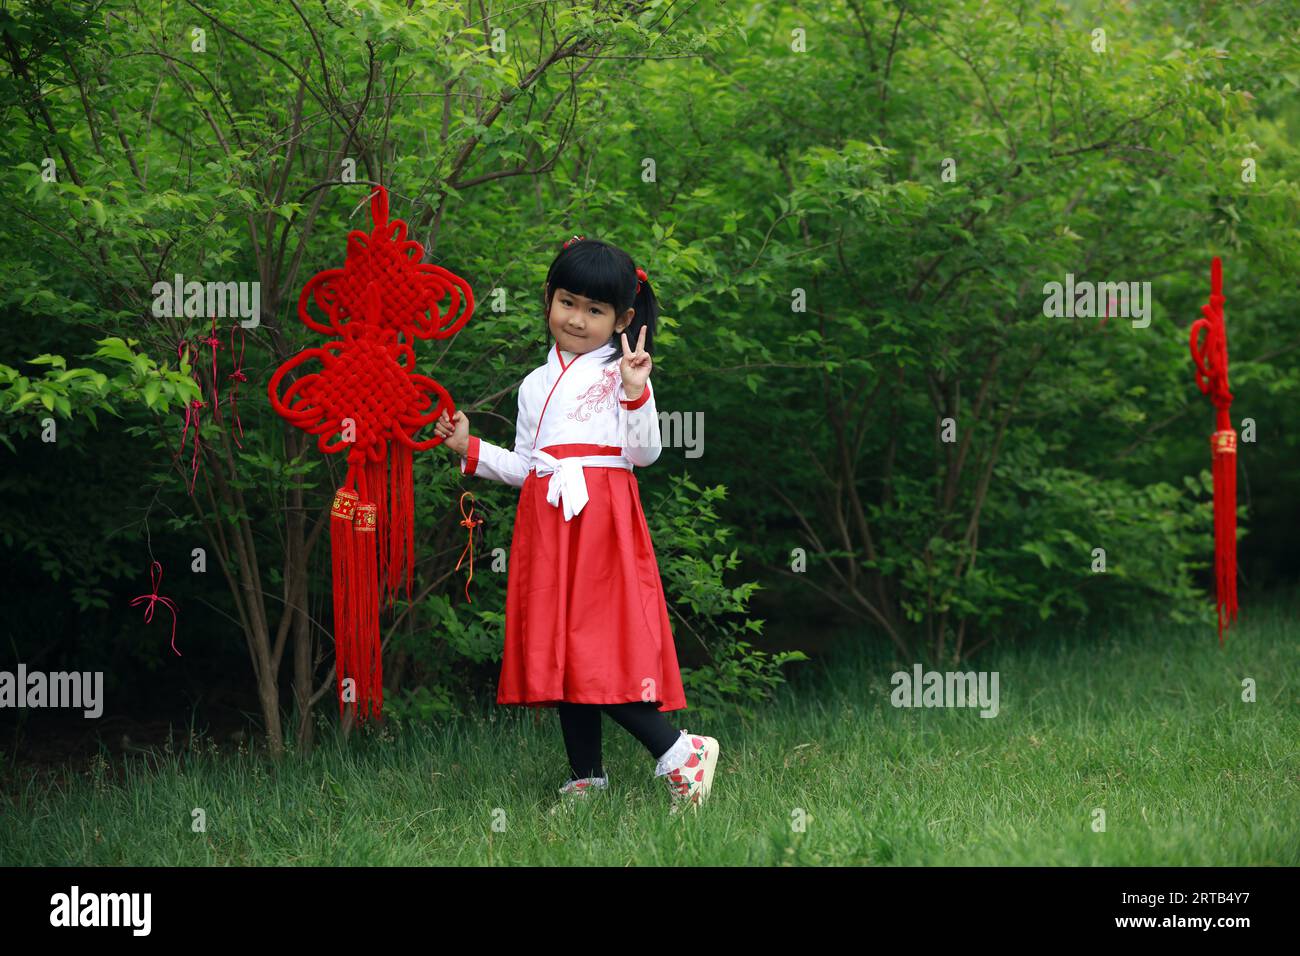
{"x": 581, "y": 789}
{"x": 690, "y": 782}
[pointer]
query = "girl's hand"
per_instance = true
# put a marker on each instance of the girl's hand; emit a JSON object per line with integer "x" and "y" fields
{"x": 635, "y": 366}
{"x": 455, "y": 432}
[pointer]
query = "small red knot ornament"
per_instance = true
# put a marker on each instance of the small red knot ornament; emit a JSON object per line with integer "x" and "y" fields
{"x": 469, "y": 522}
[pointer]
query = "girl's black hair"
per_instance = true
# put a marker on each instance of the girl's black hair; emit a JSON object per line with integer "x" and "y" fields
{"x": 604, "y": 272}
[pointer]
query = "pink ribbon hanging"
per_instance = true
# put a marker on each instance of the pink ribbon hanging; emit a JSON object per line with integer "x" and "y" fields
{"x": 154, "y": 599}
{"x": 237, "y": 376}
{"x": 182, "y": 349}
{"x": 192, "y": 412}
{"x": 214, "y": 343}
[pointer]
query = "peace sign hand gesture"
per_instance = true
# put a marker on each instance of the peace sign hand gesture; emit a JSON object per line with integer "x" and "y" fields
{"x": 635, "y": 366}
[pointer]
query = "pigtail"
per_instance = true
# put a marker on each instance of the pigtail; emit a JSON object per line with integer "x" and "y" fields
{"x": 647, "y": 317}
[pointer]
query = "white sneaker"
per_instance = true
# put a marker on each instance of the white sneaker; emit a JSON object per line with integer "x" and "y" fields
{"x": 690, "y": 779}
{"x": 580, "y": 789}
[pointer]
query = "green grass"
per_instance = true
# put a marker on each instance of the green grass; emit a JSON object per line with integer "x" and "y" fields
{"x": 1150, "y": 728}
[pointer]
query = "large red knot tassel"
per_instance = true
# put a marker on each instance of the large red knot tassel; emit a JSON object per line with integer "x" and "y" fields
{"x": 1211, "y": 359}
{"x": 367, "y": 392}
{"x": 401, "y": 522}
{"x": 370, "y": 676}
{"x": 344, "y": 567}
{"x": 354, "y": 561}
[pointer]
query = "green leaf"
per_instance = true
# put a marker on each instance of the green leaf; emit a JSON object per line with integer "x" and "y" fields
{"x": 114, "y": 348}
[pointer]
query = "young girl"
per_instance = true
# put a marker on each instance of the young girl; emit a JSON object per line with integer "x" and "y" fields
{"x": 586, "y": 620}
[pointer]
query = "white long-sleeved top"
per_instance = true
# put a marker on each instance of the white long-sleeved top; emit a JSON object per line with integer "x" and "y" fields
{"x": 572, "y": 399}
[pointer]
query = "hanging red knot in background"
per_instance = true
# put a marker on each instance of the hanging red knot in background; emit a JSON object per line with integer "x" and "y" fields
{"x": 237, "y": 376}
{"x": 368, "y": 394}
{"x": 193, "y": 409}
{"x": 214, "y": 343}
{"x": 1211, "y": 359}
{"x": 185, "y": 352}
{"x": 155, "y": 575}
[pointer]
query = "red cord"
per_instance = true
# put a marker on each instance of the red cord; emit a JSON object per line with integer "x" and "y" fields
{"x": 469, "y": 522}
{"x": 155, "y": 574}
{"x": 214, "y": 343}
{"x": 192, "y": 415}
{"x": 237, "y": 376}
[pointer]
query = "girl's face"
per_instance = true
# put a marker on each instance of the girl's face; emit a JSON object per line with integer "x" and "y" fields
{"x": 580, "y": 324}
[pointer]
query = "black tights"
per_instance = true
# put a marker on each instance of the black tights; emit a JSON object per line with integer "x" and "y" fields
{"x": 580, "y": 724}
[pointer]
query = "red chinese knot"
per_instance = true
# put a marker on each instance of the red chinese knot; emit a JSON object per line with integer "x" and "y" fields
{"x": 367, "y": 400}
{"x": 1211, "y": 360}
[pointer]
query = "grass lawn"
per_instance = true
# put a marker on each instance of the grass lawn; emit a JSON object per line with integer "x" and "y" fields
{"x": 1147, "y": 725}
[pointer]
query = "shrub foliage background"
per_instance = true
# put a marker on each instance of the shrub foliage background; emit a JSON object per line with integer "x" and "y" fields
{"x": 831, "y": 298}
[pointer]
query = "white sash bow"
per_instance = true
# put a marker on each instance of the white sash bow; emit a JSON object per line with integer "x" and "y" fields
{"x": 567, "y": 479}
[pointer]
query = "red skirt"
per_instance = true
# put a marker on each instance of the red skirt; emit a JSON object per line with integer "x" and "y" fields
{"x": 586, "y": 618}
